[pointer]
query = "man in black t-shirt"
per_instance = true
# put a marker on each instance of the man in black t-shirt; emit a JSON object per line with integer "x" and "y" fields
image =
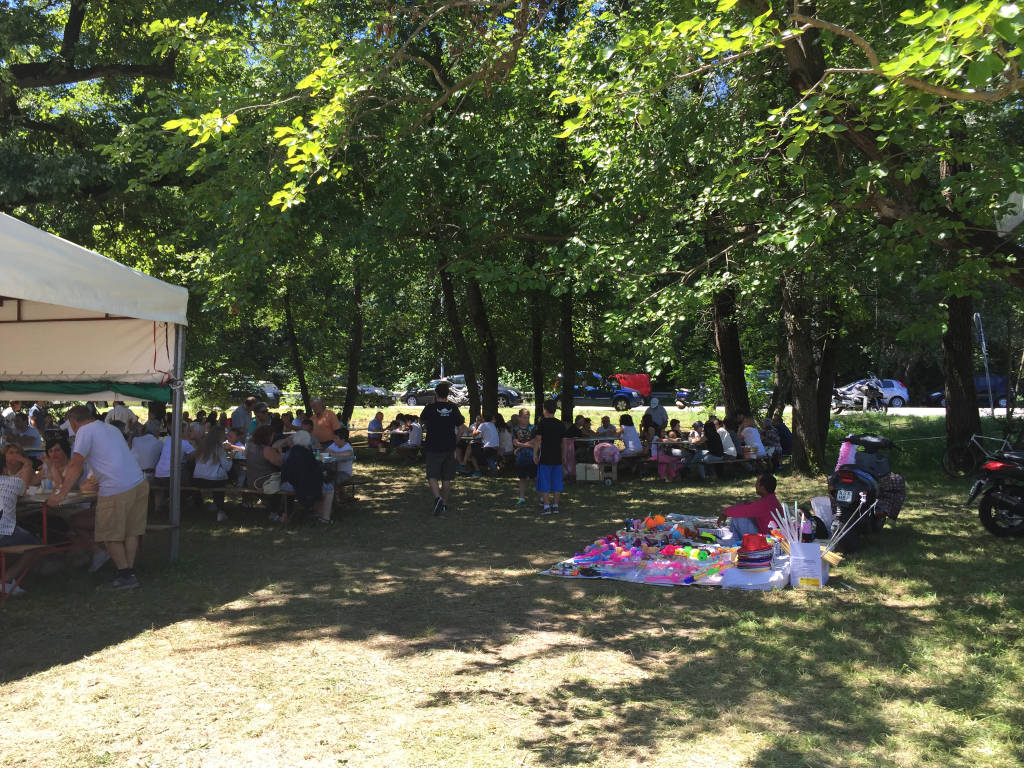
{"x": 548, "y": 438}
{"x": 440, "y": 419}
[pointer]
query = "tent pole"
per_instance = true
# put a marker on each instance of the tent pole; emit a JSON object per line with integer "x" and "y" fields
{"x": 177, "y": 404}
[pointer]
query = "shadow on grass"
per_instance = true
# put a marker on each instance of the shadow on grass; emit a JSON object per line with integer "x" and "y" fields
{"x": 819, "y": 672}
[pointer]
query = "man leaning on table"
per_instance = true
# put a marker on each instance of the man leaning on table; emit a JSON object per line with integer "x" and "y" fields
{"x": 123, "y": 490}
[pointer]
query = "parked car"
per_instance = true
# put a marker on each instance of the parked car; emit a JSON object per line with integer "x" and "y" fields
{"x": 594, "y": 389}
{"x": 372, "y": 396}
{"x": 893, "y": 391}
{"x": 507, "y": 396}
{"x": 641, "y": 382}
{"x": 422, "y": 395}
{"x": 1000, "y": 392}
{"x": 241, "y": 387}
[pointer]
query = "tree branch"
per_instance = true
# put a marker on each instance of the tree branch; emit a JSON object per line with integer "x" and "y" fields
{"x": 72, "y": 31}
{"x": 42, "y": 74}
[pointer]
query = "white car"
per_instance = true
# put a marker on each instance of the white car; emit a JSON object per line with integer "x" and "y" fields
{"x": 893, "y": 391}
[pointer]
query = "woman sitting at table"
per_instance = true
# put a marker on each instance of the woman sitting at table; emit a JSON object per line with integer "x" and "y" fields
{"x": 410, "y": 449}
{"x": 751, "y": 439}
{"x": 15, "y": 477}
{"x": 375, "y": 432}
{"x": 344, "y": 456}
{"x": 303, "y": 475}
{"x": 263, "y": 456}
{"x": 83, "y": 519}
{"x": 211, "y": 469}
{"x": 631, "y": 439}
{"x": 648, "y": 430}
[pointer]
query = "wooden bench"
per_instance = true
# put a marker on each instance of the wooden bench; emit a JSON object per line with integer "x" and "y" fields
{"x": 342, "y": 490}
{"x": 24, "y": 549}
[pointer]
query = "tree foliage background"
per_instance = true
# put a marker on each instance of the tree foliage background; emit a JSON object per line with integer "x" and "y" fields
{"x": 358, "y": 191}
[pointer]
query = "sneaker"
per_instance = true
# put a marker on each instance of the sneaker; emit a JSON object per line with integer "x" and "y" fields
{"x": 11, "y": 589}
{"x": 444, "y": 509}
{"x": 98, "y": 560}
{"x": 520, "y": 503}
{"x": 476, "y": 474}
{"x": 546, "y": 511}
{"x": 222, "y": 516}
{"x": 492, "y": 465}
{"x": 438, "y": 506}
{"x": 460, "y": 468}
{"x": 554, "y": 509}
{"x": 124, "y": 582}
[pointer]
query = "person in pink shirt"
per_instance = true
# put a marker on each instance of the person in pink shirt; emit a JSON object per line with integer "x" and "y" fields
{"x": 753, "y": 516}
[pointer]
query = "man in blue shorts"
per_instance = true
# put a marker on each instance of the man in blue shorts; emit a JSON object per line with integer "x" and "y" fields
{"x": 548, "y": 437}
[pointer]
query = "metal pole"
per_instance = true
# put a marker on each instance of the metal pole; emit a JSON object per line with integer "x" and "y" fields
{"x": 984, "y": 356}
{"x": 177, "y": 404}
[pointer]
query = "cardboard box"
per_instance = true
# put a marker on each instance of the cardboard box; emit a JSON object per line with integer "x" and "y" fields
{"x": 806, "y": 568}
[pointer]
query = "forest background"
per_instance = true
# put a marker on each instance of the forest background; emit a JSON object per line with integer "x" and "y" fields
{"x": 355, "y": 191}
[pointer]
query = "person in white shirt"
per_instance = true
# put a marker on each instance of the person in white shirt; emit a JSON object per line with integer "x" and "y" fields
{"x": 487, "y": 449}
{"x": 147, "y": 447}
{"x": 15, "y": 479}
{"x": 630, "y": 437}
{"x": 25, "y": 435}
{"x": 123, "y": 501}
{"x": 410, "y": 449}
{"x": 121, "y": 412}
{"x": 343, "y": 454}
{"x": 749, "y": 436}
{"x": 211, "y": 468}
{"x": 728, "y": 447}
{"x": 9, "y": 412}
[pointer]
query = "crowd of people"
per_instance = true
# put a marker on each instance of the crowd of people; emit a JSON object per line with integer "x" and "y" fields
{"x": 119, "y": 456}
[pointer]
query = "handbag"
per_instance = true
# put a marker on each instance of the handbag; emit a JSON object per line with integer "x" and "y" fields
{"x": 269, "y": 483}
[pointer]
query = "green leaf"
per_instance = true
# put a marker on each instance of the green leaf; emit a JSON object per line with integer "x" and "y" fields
{"x": 726, "y": 5}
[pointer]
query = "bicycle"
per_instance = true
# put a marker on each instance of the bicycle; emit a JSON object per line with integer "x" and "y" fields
{"x": 960, "y": 461}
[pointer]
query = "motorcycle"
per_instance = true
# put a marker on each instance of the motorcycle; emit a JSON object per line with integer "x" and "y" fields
{"x": 1001, "y": 487}
{"x": 866, "y": 395}
{"x": 866, "y": 492}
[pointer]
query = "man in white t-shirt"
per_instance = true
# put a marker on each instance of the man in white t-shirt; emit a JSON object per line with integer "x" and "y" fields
{"x": 123, "y": 490}
{"x": 489, "y": 442}
{"x": 147, "y": 446}
{"x": 121, "y": 412}
{"x": 9, "y": 412}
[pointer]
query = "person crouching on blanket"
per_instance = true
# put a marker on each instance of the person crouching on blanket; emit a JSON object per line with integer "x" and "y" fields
{"x": 753, "y": 516}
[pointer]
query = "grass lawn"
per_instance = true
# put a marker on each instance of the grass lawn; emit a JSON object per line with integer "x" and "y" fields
{"x": 395, "y": 639}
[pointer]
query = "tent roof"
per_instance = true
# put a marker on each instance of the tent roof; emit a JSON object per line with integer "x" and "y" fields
{"x": 42, "y": 267}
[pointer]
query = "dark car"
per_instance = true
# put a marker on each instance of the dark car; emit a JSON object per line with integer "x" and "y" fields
{"x": 422, "y": 396}
{"x": 594, "y": 389}
{"x": 999, "y": 388}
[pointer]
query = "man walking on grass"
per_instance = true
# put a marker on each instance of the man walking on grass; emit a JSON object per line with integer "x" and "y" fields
{"x": 123, "y": 495}
{"x": 440, "y": 419}
{"x": 548, "y": 439}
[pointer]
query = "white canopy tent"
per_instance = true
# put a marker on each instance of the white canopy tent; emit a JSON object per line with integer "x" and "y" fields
{"x": 79, "y": 326}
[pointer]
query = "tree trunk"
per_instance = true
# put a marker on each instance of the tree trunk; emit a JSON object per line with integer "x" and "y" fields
{"x": 730, "y": 356}
{"x": 459, "y": 340}
{"x": 293, "y": 342}
{"x": 808, "y": 444}
{"x": 962, "y": 419}
{"x": 478, "y": 314}
{"x": 568, "y": 356}
{"x": 355, "y": 349}
{"x": 826, "y": 384}
{"x": 781, "y": 386}
{"x": 537, "y": 355}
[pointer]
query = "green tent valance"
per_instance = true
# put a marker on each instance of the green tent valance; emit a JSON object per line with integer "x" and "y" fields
{"x": 82, "y": 390}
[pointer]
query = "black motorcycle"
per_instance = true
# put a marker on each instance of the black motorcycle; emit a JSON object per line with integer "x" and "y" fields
{"x": 855, "y": 488}
{"x": 1001, "y": 487}
{"x": 864, "y": 395}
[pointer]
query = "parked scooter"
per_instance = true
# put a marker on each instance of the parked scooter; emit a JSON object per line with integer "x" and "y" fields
{"x": 865, "y": 492}
{"x": 1001, "y": 487}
